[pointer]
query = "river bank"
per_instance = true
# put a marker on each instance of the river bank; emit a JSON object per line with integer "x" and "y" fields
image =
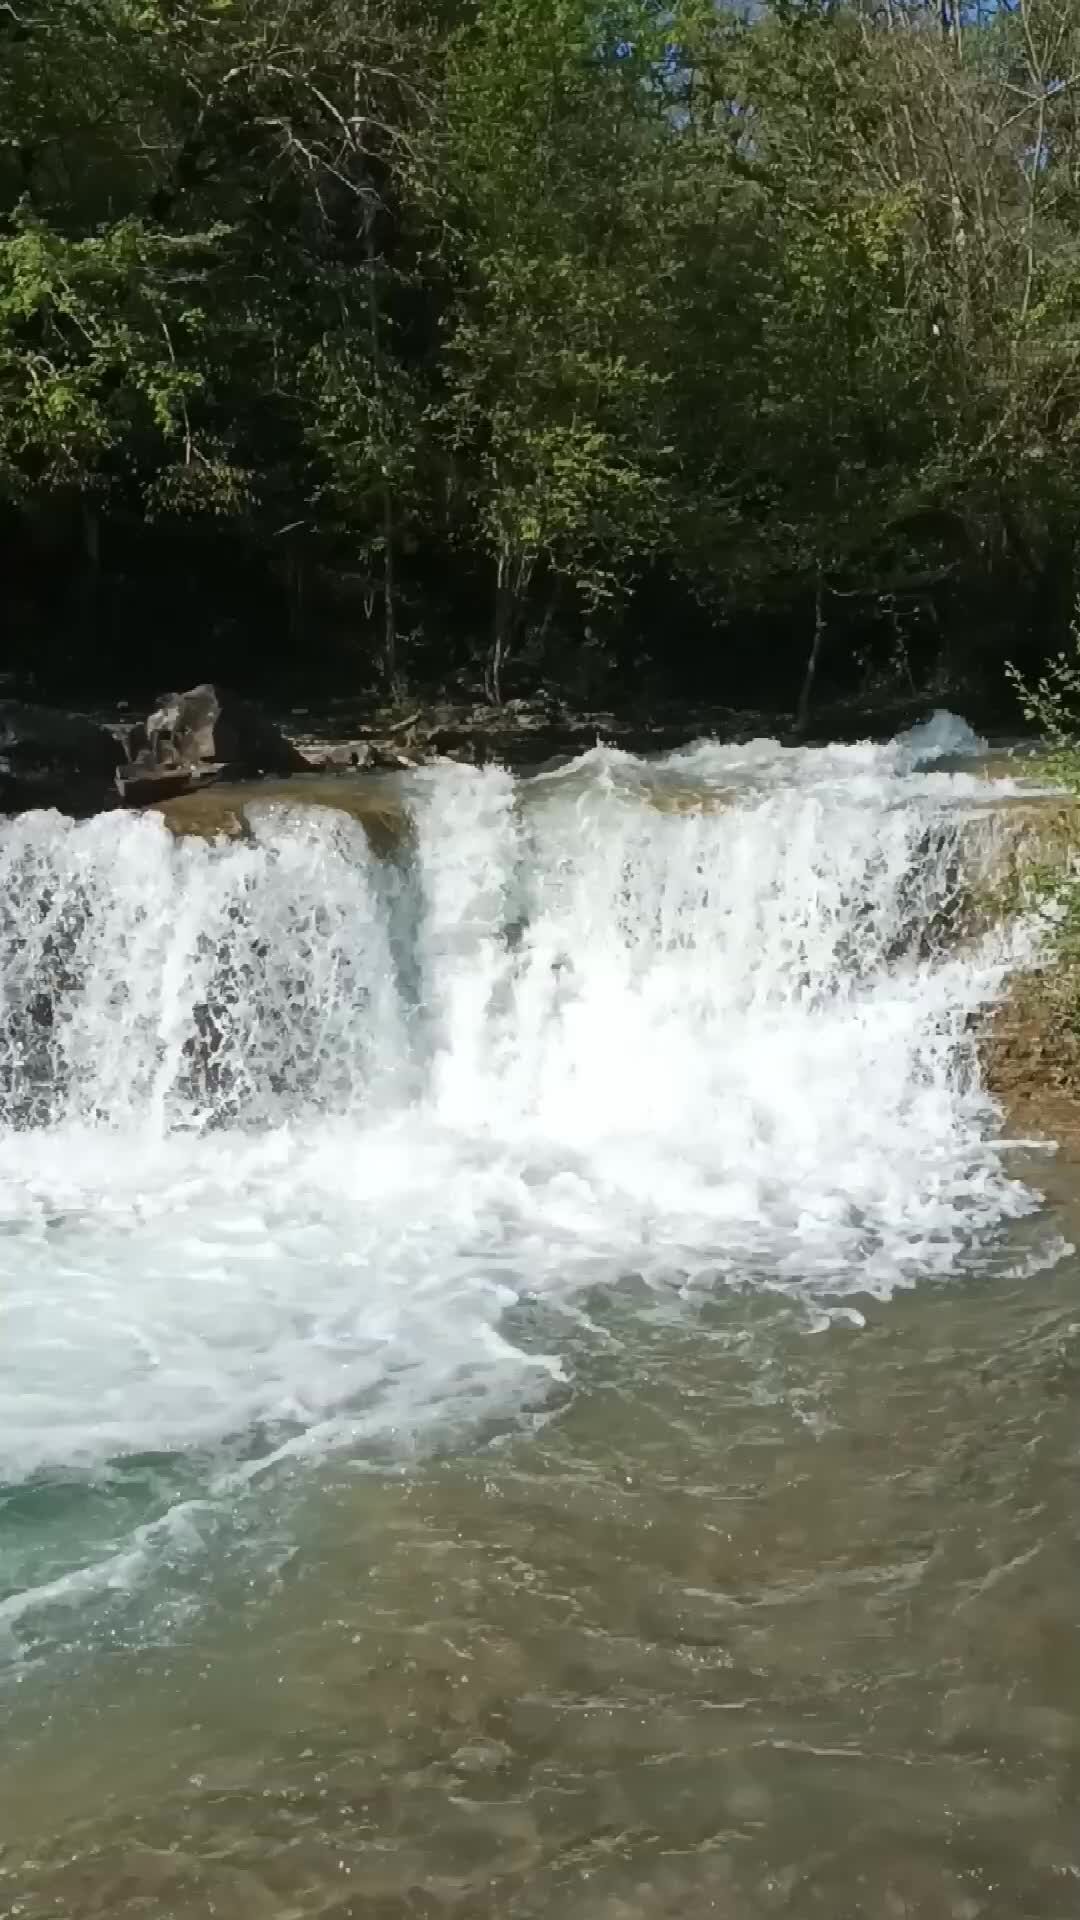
{"x": 66, "y": 756}
{"x": 87, "y": 761}
{"x": 1030, "y": 1054}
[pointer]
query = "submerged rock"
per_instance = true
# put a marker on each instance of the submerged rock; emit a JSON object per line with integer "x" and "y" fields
{"x": 222, "y": 811}
{"x": 141, "y": 783}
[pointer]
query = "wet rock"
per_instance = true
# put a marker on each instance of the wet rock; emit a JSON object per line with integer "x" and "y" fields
{"x": 201, "y": 734}
{"x": 209, "y": 725}
{"x": 141, "y": 783}
{"x": 1030, "y": 1053}
{"x": 351, "y": 757}
{"x": 47, "y": 736}
{"x": 222, "y": 809}
{"x": 51, "y": 758}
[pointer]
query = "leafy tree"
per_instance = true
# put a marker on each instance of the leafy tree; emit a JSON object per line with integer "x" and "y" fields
{"x": 564, "y": 312}
{"x": 550, "y": 401}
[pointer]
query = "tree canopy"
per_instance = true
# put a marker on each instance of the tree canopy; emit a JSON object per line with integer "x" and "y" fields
{"x": 599, "y": 343}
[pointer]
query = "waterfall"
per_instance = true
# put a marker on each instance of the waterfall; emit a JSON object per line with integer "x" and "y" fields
{"x": 286, "y": 1126}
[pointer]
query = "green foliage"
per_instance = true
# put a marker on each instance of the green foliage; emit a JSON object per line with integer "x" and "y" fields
{"x": 1050, "y": 702}
{"x": 89, "y": 332}
{"x": 775, "y": 310}
{"x": 550, "y": 395}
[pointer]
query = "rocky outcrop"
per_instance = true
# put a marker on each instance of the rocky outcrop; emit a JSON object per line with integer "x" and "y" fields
{"x": 194, "y": 739}
{"x": 201, "y": 735}
{"x": 1031, "y": 1054}
{"x": 51, "y": 758}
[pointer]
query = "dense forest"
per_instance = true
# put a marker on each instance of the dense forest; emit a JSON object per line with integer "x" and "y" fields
{"x": 625, "y": 348}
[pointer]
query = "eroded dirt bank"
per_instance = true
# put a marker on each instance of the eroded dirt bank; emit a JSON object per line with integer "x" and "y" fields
{"x": 1031, "y": 1055}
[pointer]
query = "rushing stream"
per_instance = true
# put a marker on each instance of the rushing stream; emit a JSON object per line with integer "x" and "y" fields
{"x": 530, "y": 1383}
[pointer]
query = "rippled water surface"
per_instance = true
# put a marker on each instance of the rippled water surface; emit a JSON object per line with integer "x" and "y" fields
{"x": 747, "y": 1622}
{"x": 530, "y": 1383}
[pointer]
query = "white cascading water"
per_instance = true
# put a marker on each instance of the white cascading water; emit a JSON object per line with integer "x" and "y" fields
{"x": 285, "y": 1128}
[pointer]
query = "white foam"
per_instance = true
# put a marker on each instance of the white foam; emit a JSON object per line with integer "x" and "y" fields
{"x": 943, "y": 736}
{"x": 288, "y": 1129}
{"x": 889, "y": 772}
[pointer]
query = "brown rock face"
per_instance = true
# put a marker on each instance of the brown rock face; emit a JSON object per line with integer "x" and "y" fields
{"x": 198, "y": 735}
{"x": 1031, "y": 1055}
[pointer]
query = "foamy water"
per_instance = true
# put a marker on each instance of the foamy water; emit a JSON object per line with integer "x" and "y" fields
{"x": 288, "y": 1129}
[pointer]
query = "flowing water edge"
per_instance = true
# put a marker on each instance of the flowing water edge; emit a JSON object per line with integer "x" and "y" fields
{"x": 531, "y": 1383}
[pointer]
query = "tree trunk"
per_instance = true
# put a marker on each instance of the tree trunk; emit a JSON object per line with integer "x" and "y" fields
{"x": 802, "y": 714}
{"x": 390, "y": 649}
{"x": 512, "y": 576}
{"x": 501, "y": 632}
{"x": 389, "y": 644}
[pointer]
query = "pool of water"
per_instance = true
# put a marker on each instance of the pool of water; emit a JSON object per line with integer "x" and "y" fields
{"x": 744, "y": 1621}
